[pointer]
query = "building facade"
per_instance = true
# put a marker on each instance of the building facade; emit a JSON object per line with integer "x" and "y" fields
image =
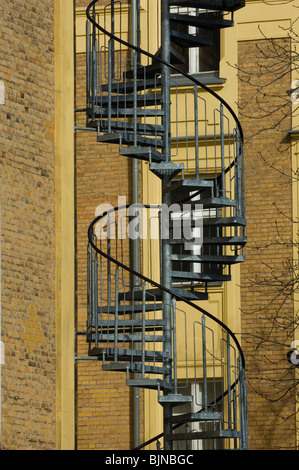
{"x": 53, "y": 396}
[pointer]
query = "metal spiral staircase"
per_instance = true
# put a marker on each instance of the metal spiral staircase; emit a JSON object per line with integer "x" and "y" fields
{"x": 153, "y": 329}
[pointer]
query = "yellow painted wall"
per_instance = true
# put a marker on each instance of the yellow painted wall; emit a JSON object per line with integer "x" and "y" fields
{"x": 65, "y": 223}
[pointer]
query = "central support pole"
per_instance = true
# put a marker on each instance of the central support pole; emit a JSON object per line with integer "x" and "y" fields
{"x": 166, "y": 264}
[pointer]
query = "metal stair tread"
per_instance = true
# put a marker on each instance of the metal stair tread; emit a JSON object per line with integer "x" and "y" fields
{"x": 214, "y": 202}
{"x": 150, "y": 71}
{"x": 127, "y": 138}
{"x": 133, "y": 323}
{"x": 219, "y": 222}
{"x": 143, "y": 153}
{"x": 187, "y": 294}
{"x": 135, "y": 308}
{"x": 190, "y": 295}
{"x": 166, "y": 170}
{"x": 220, "y": 5}
{"x": 234, "y": 240}
{"x": 102, "y": 112}
{"x": 196, "y": 416}
{"x": 201, "y": 21}
{"x": 128, "y": 354}
{"x": 175, "y": 398}
{"x": 131, "y": 367}
{"x": 190, "y": 185}
{"x": 128, "y": 86}
{"x": 205, "y": 277}
{"x": 154, "y": 384}
{"x": 146, "y": 99}
{"x": 220, "y": 434}
{"x": 135, "y": 295}
{"x": 218, "y": 259}
{"x": 127, "y": 337}
{"x": 187, "y": 40}
{"x": 142, "y": 128}
{"x": 235, "y": 221}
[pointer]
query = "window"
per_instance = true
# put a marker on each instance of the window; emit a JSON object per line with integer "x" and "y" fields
{"x": 198, "y": 59}
{"x": 214, "y": 390}
{"x": 200, "y": 232}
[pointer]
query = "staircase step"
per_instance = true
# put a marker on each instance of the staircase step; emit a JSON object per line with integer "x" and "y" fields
{"x": 167, "y": 170}
{"x": 224, "y": 221}
{"x": 148, "y": 154}
{"x": 150, "y": 294}
{"x": 102, "y": 112}
{"x": 188, "y": 40}
{"x": 126, "y": 355}
{"x": 201, "y": 21}
{"x": 217, "y": 202}
{"x": 142, "y": 128}
{"x": 127, "y": 86}
{"x": 136, "y": 308}
{"x": 179, "y": 188}
{"x": 213, "y": 259}
{"x": 128, "y": 338}
{"x": 129, "y": 324}
{"x": 207, "y": 202}
{"x": 200, "y": 277}
{"x": 190, "y": 295}
{"x": 175, "y": 399}
{"x": 153, "y": 384}
{"x": 175, "y": 56}
{"x": 158, "y": 294}
{"x": 129, "y": 367}
{"x": 149, "y": 71}
{"x": 127, "y": 138}
{"x": 228, "y": 241}
{"x": 216, "y": 222}
{"x": 220, "y": 434}
{"x": 195, "y": 417}
{"x": 219, "y": 5}
{"x": 128, "y": 101}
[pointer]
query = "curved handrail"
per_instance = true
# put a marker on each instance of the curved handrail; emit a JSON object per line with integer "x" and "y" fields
{"x": 164, "y": 62}
{"x": 151, "y": 281}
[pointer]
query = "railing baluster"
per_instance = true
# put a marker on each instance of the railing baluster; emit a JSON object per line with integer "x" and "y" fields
{"x": 222, "y": 152}
{"x": 87, "y": 64}
{"x": 116, "y": 315}
{"x": 174, "y": 346}
{"x": 196, "y": 132}
{"x": 204, "y": 363}
{"x": 143, "y": 329}
{"x": 110, "y": 65}
{"x": 228, "y": 377}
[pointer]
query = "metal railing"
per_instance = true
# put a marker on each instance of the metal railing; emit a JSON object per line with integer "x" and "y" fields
{"x": 126, "y": 327}
{"x": 127, "y": 101}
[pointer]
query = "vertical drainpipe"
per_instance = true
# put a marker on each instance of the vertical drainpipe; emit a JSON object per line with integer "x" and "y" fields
{"x": 166, "y": 251}
{"x": 135, "y": 11}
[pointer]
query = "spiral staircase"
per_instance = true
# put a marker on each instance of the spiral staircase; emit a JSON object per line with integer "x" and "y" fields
{"x": 152, "y": 329}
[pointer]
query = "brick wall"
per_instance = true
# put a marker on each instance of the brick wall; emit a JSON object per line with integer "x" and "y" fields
{"x": 27, "y": 191}
{"x": 267, "y": 309}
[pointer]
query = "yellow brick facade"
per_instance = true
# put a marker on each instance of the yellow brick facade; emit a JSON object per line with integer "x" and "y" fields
{"x": 52, "y": 180}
